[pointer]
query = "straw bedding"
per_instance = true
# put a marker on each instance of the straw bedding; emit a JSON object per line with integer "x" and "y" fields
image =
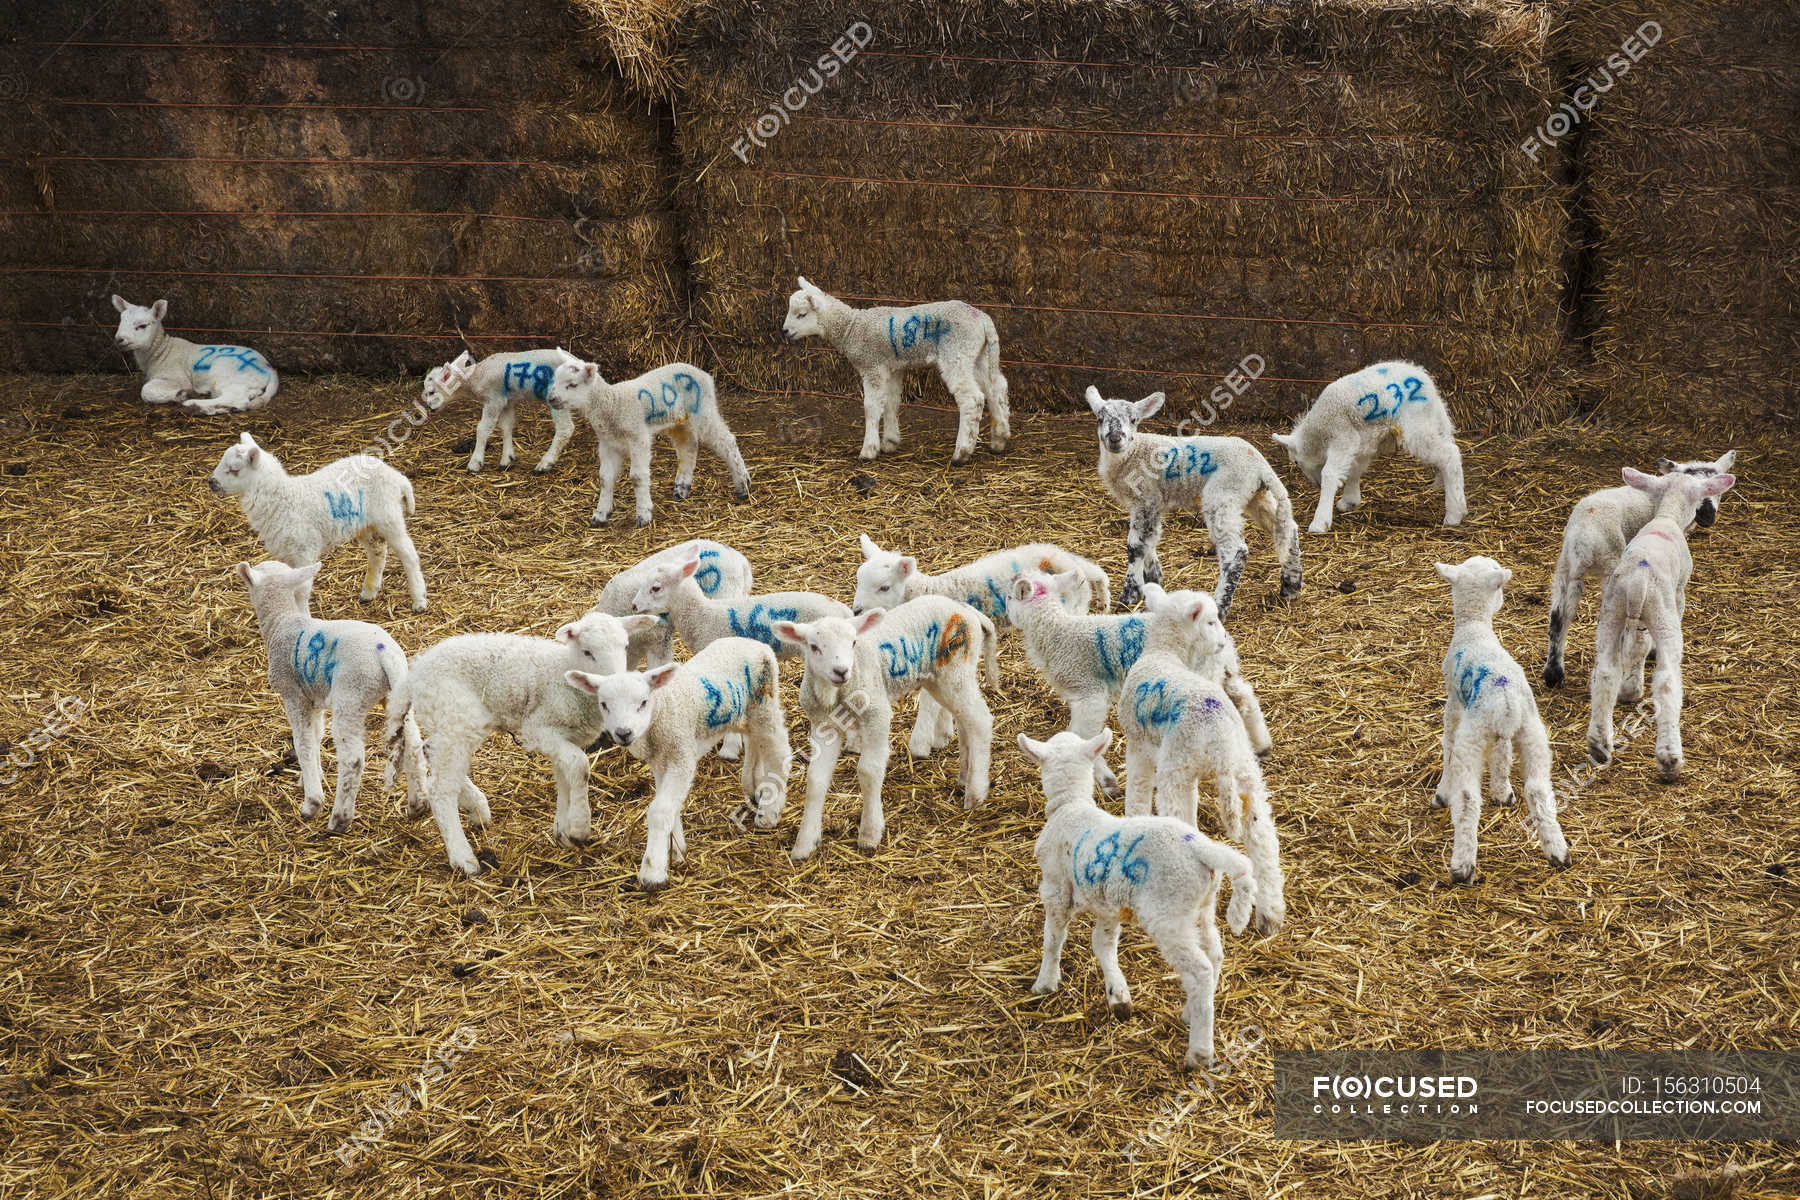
{"x": 203, "y": 996}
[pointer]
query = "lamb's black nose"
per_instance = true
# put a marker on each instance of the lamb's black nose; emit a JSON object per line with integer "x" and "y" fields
{"x": 213, "y": 484}
{"x": 621, "y": 737}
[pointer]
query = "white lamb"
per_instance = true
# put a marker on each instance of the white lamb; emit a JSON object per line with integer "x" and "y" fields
{"x": 347, "y": 667}
{"x": 1181, "y": 727}
{"x": 723, "y": 574}
{"x": 302, "y": 518}
{"x": 1489, "y": 712}
{"x": 1085, "y": 659}
{"x": 1357, "y": 417}
{"x": 210, "y": 379}
{"x": 883, "y": 344}
{"x": 673, "y": 587}
{"x": 677, "y": 400}
{"x": 1642, "y": 607}
{"x": 499, "y": 382}
{"x": 1595, "y": 537}
{"x": 672, "y": 715}
{"x": 857, "y": 667}
{"x": 467, "y": 688}
{"x": 1158, "y": 869}
{"x": 1147, "y": 474}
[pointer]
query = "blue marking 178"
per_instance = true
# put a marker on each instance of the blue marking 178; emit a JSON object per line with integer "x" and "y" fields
{"x": 528, "y": 377}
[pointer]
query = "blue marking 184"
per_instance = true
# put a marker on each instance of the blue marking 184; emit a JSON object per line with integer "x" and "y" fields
{"x": 918, "y": 327}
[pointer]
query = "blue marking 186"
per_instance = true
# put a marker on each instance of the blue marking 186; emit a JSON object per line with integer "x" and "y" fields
{"x": 319, "y": 660}
{"x": 1118, "y": 648}
{"x": 1099, "y": 866}
{"x": 709, "y": 575}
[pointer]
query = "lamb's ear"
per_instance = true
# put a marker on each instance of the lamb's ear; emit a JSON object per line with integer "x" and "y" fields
{"x": 868, "y": 620}
{"x": 1065, "y": 581}
{"x": 1283, "y": 439}
{"x": 1021, "y": 587}
{"x": 243, "y": 571}
{"x": 869, "y": 548}
{"x": 465, "y": 360}
{"x": 1718, "y": 485}
{"x": 1032, "y": 750}
{"x": 581, "y": 681}
{"x": 908, "y": 564}
{"x": 1153, "y": 596}
{"x": 589, "y": 370}
{"x": 690, "y": 565}
{"x": 1639, "y": 480}
{"x": 1098, "y": 744}
{"x": 304, "y": 575}
{"x": 638, "y": 623}
{"x": 661, "y": 676}
{"x": 806, "y": 285}
{"x": 1445, "y": 571}
{"x": 568, "y": 633}
{"x": 790, "y": 631}
{"x": 1665, "y": 465}
{"x": 1148, "y": 406}
{"x": 160, "y": 309}
{"x": 1504, "y": 575}
{"x": 1095, "y": 400}
{"x": 120, "y": 303}
{"x": 1725, "y": 461}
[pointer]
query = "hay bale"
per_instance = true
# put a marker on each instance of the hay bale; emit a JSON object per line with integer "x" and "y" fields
{"x": 1139, "y": 201}
{"x": 370, "y": 138}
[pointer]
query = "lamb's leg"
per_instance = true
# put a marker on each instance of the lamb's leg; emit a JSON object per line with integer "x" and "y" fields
{"x": 687, "y": 454}
{"x": 1336, "y": 466}
{"x": 821, "y": 763}
{"x": 891, "y": 393}
{"x": 871, "y": 773}
{"x": 672, "y": 785}
{"x": 509, "y": 416}
{"x": 1177, "y": 787}
{"x": 449, "y": 772}
{"x": 472, "y": 803}
{"x": 564, "y": 422}
{"x": 1225, "y": 525}
{"x": 722, "y": 443}
{"x": 305, "y": 723}
{"x": 1465, "y": 799}
{"x": 233, "y": 398}
{"x": 1500, "y": 758}
{"x": 1447, "y": 459}
{"x": 1637, "y": 650}
{"x": 1540, "y": 799}
{"x": 1452, "y": 716}
{"x": 1665, "y": 690}
{"x": 484, "y": 429}
{"x": 975, "y": 735}
{"x": 1352, "y": 494}
{"x": 375, "y": 551}
{"x": 1605, "y": 677}
{"x": 874, "y": 383}
{"x": 1087, "y": 717}
{"x": 610, "y": 460}
{"x": 1243, "y": 698}
{"x": 418, "y": 799}
{"x": 1181, "y": 949}
{"x": 924, "y": 741}
{"x": 969, "y": 403}
{"x": 1262, "y": 846}
{"x": 1056, "y": 932}
{"x": 574, "y": 815}
{"x": 640, "y": 477}
{"x": 767, "y": 783}
{"x": 1140, "y": 775}
{"x": 396, "y": 536}
{"x": 347, "y": 744}
{"x": 1106, "y": 953}
{"x": 161, "y": 391}
{"x": 1565, "y": 597}
{"x": 1140, "y": 551}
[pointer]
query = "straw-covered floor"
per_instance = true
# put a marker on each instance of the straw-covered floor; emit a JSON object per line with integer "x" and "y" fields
{"x": 203, "y": 996}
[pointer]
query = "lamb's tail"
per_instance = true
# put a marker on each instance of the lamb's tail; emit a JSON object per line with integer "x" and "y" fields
{"x": 1216, "y": 856}
{"x": 1095, "y": 575}
{"x": 407, "y": 492}
{"x": 400, "y": 721}
{"x": 1634, "y": 590}
{"x": 991, "y": 651}
{"x": 994, "y": 385}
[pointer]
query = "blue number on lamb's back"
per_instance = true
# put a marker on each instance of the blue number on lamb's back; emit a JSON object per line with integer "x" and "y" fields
{"x": 1118, "y": 648}
{"x": 1153, "y": 707}
{"x": 758, "y": 623}
{"x": 1184, "y": 459}
{"x": 527, "y": 377}
{"x": 246, "y": 358}
{"x": 1468, "y": 680}
{"x": 346, "y": 513}
{"x": 916, "y": 328}
{"x": 729, "y": 699}
{"x": 318, "y": 661}
{"x": 709, "y": 575}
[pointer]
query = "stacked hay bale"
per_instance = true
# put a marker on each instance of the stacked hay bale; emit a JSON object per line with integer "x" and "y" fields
{"x": 1690, "y": 164}
{"x": 1141, "y": 197}
{"x": 370, "y": 179}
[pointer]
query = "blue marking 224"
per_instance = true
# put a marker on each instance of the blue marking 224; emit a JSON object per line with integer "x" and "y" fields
{"x": 246, "y": 358}
{"x": 1153, "y": 707}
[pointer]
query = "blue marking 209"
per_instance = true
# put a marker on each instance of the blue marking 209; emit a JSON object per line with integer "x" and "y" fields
{"x": 729, "y": 699}
{"x": 1119, "y": 647}
{"x": 320, "y": 660}
{"x": 678, "y": 396}
{"x": 246, "y": 358}
{"x": 916, "y": 328}
{"x": 758, "y": 623}
{"x": 528, "y": 377}
{"x": 347, "y": 513}
{"x": 1397, "y": 396}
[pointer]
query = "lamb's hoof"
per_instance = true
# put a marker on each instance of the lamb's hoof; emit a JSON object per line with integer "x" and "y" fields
{"x": 1112, "y": 789}
{"x": 960, "y": 459}
{"x": 474, "y": 468}
{"x": 1263, "y": 752}
{"x": 651, "y": 887}
{"x": 570, "y": 841}
{"x": 506, "y": 464}
{"x": 366, "y": 597}
{"x": 1266, "y": 926}
{"x": 683, "y": 490}
{"x": 643, "y": 519}
{"x": 741, "y": 492}
{"x": 1454, "y": 521}
{"x": 337, "y": 826}
{"x": 868, "y": 849}
{"x": 1346, "y": 505}
{"x": 1439, "y": 800}
{"x": 540, "y": 469}
{"x": 1200, "y": 1062}
{"x": 1120, "y": 1009}
{"x": 1507, "y": 801}
{"x": 1561, "y": 864}
{"x": 1668, "y": 768}
{"x": 1000, "y": 447}
{"x": 1041, "y": 988}
{"x": 1129, "y": 595}
{"x": 469, "y": 867}
{"x": 1553, "y": 675}
{"x": 1597, "y": 754}
{"x": 416, "y": 811}
{"x": 1289, "y": 591}
{"x": 599, "y": 522}
{"x": 419, "y": 606}
{"x": 1630, "y": 697}
{"x": 1461, "y": 874}
{"x": 1319, "y": 527}
{"x": 971, "y": 803}
{"x": 310, "y": 808}
{"x": 868, "y": 454}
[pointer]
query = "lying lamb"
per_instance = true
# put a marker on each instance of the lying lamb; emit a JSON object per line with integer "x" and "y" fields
{"x": 672, "y": 715}
{"x": 1157, "y": 869}
{"x": 210, "y": 379}
{"x": 301, "y": 519}
{"x": 466, "y": 688}
{"x": 677, "y": 400}
{"x": 1642, "y": 607}
{"x": 673, "y": 587}
{"x": 1181, "y": 727}
{"x": 883, "y": 344}
{"x": 346, "y": 666}
{"x": 854, "y": 676}
{"x": 886, "y": 579}
{"x": 1357, "y": 417}
{"x": 1595, "y": 537}
{"x": 1085, "y": 659}
{"x": 1489, "y": 712}
{"x": 499, "y": 382}
{"x": 1147, "y": 474}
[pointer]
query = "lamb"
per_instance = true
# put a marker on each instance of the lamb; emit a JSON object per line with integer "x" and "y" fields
{"x": 301, "y": 519}
{"x": 212, "y": 380}
{"x": 1085, "y": 659}
{"x": 1225, "y": 477}
{"x": 1642, "y": 606}
{"x": 1595, "y": 537}
{"x": 723, "y": 574}
{"x": 499, "y": 382}
{"x": 883, "y": 344}
{"x": 673, "y": 587}
{"x": 466, "y": 688}
{"x": 346, "y": 666}
{"x": 1489, "y": 712}
{"x": 673, "y": 714}
{"x": 1167, "y": 875}
{"x": 854, "y": 676}
{"x": 1180, "y": 726}
{"x": 677, "y": 400}
{"x": 1357, "y": 417}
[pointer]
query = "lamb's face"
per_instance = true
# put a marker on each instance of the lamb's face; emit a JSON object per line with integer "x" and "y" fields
{"x": 828, "y": 645}
{"x": 657, "y": 591}
{"x": 1196, "y": 612}
{"x": 624, "y": 700}
{"x": 881, "y": 580}
{"x": 138, "y": 325}
{"x": 441, "y": 383}
{"x": 1119, "y": 419}
{"x": 1309, "y": 462}
{"x": 802, "y": 317}
{"x": 235, "y": 468}
{"x": 597, "y": 642}
{"x": 570, "y": 384}
{"x": 1029, "y": 591}
{"x": 1708, "y": 512}
{"x": 1477, "y": 586}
